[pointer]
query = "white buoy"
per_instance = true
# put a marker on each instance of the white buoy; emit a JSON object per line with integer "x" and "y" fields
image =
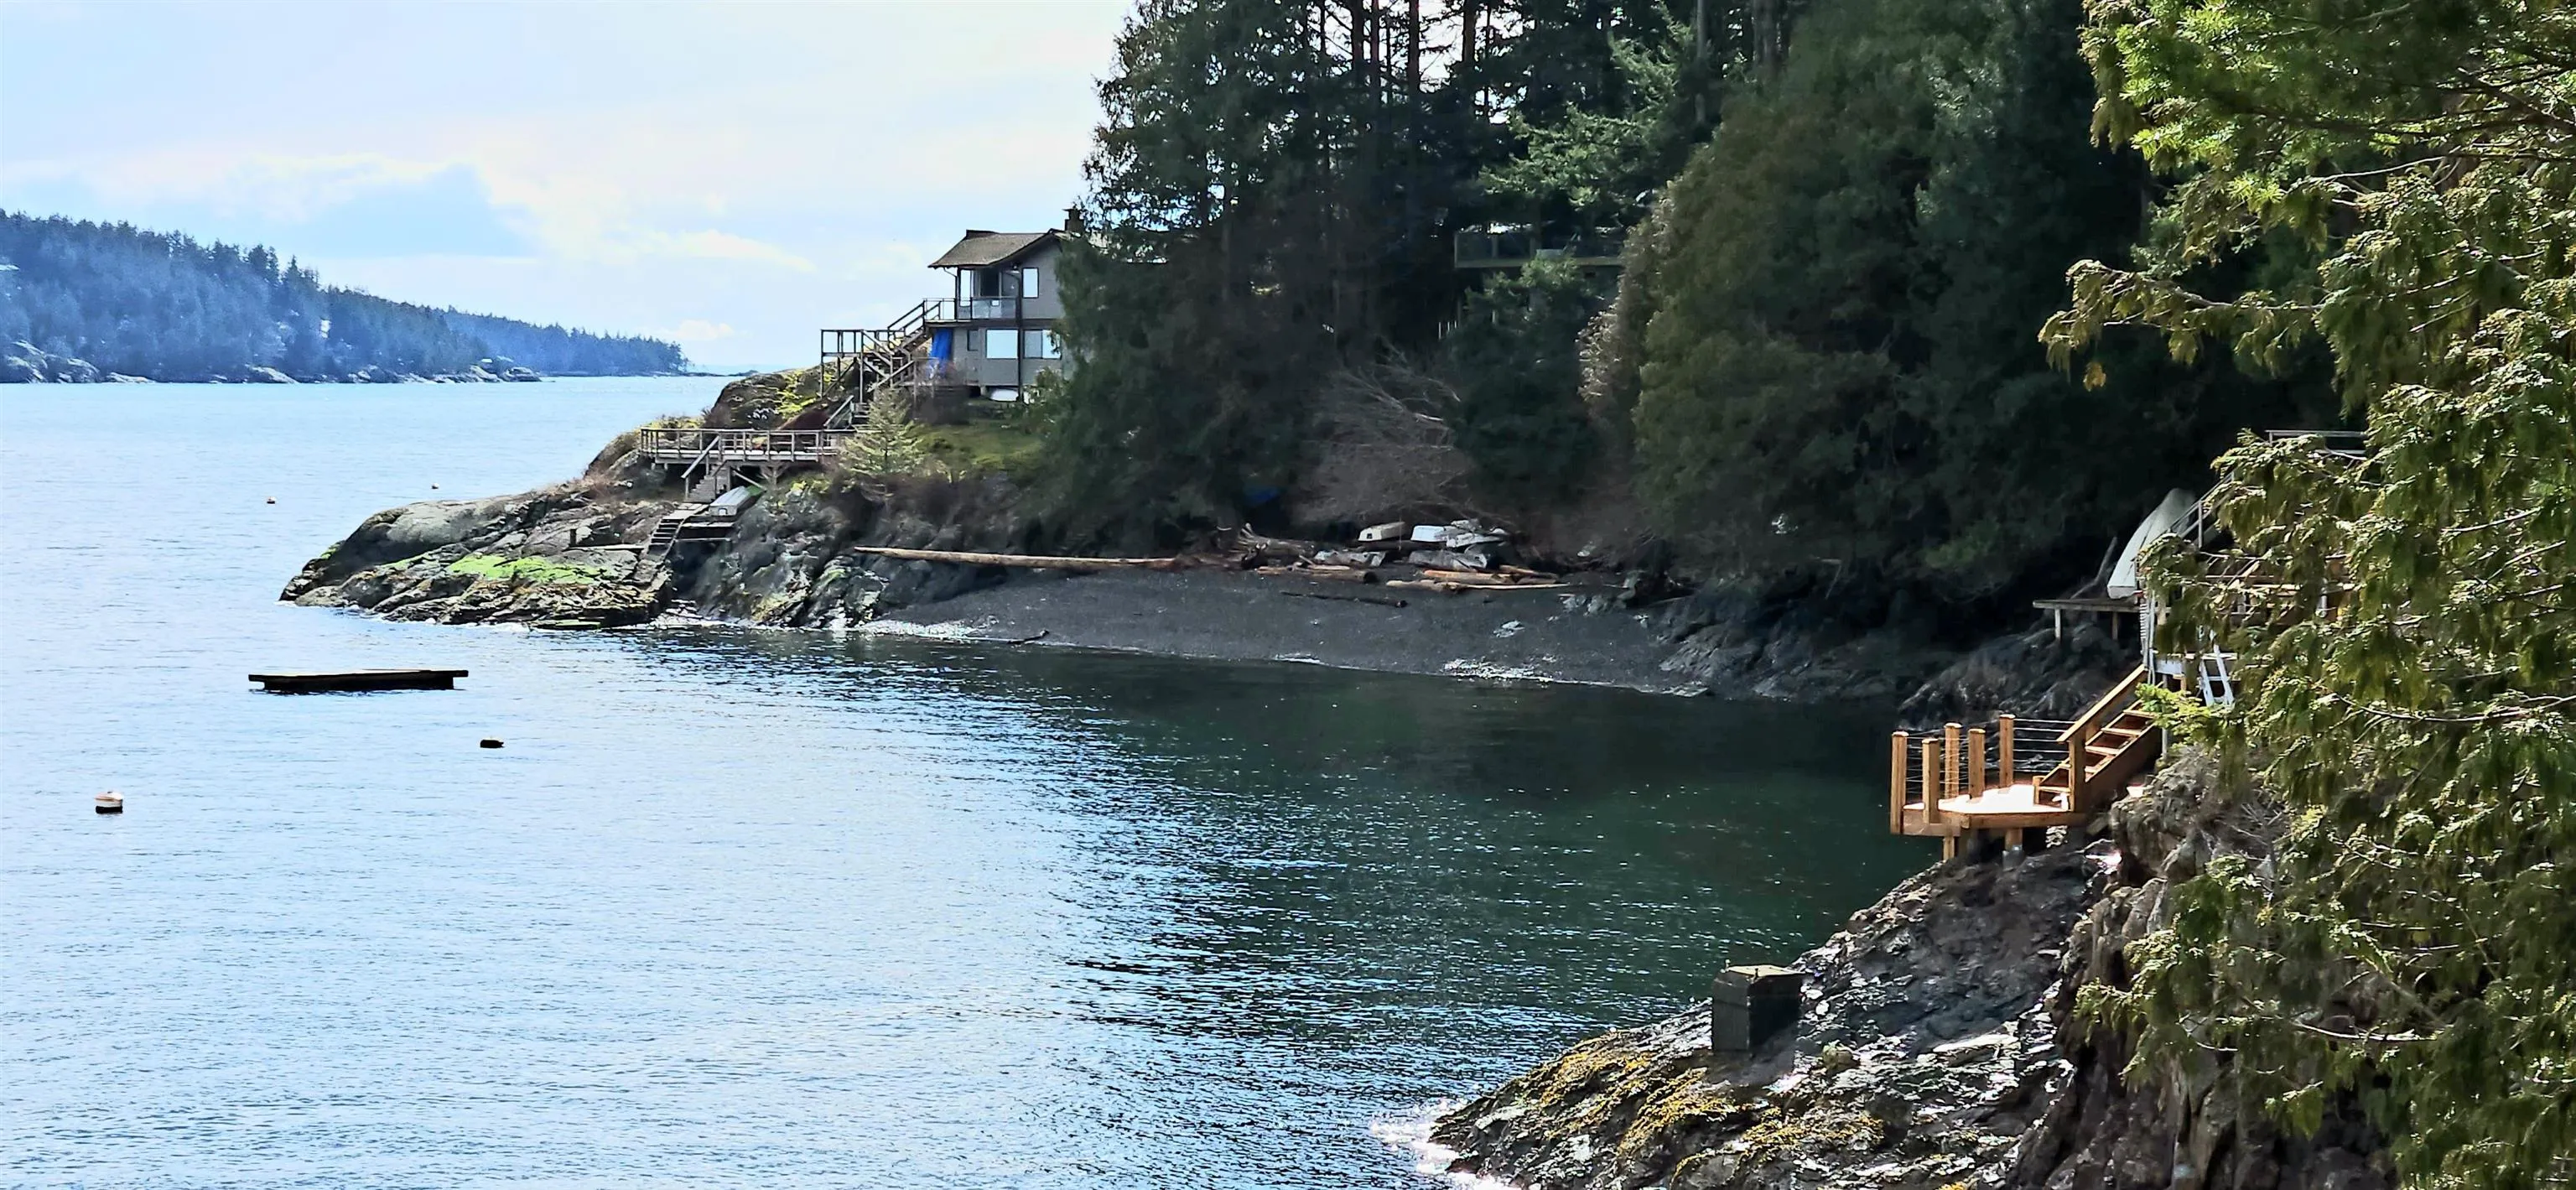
{"x": 110, "y": 802}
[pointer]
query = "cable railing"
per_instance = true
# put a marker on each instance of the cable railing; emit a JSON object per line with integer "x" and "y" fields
{"x": 1963, "y": 760}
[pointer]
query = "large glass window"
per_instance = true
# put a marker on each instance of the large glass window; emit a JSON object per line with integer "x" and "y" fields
{"x": 1001, "y": 344}
{"x": 1028, "y": 282}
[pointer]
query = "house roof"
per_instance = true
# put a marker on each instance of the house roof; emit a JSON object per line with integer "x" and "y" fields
{"x": 982, "y": 248}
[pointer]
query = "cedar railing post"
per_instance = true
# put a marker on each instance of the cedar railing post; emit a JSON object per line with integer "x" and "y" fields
{"x": 1896, "y": 784}
{"x": 1951, "y": 758}
{"x": 1931, "y": 783}
{"x": 2004, "y": 749}
{"x": 2077, "y": 760}
{"x": 1976, "y": 761}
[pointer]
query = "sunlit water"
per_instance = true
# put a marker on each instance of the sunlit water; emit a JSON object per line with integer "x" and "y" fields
{"x": 767, "y": 909}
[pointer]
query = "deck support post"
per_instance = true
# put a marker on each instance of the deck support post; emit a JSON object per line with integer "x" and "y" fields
{"x": 1896, "y": 784}
{"x": 1976, "y": 761}
{"x": 2004, "y": 749}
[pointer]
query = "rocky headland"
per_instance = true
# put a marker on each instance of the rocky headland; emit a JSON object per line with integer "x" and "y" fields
{"x": 574, "y": 555}
{"x": 1938, "y": 1044}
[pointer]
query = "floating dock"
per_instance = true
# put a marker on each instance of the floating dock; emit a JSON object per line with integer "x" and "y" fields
{"x": 360, "y": 679}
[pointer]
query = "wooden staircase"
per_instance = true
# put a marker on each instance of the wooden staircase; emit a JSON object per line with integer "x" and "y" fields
{"x": 687, "y": 522}
{"x": 887, "y": 359}
{"x": 666, "y": 532}
{"x": 2115, "y": 747}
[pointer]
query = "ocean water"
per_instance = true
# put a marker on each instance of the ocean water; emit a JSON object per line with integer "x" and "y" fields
{"x": 746, "y": 908}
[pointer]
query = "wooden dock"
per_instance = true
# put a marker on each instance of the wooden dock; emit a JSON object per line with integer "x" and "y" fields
{"x": 359, "y": 679}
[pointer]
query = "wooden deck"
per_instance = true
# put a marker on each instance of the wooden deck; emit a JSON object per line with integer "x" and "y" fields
{"x": 1969, "y": 781}
{"x": 741, "y": 447}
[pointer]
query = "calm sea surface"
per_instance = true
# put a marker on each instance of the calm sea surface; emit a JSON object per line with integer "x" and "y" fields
{"x": 762, "y": 909}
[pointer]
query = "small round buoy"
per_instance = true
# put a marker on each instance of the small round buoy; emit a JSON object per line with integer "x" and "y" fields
{"x": 272, "y": 499}
{"x": 110, "y": 802}
{"x": 491, "y": 743}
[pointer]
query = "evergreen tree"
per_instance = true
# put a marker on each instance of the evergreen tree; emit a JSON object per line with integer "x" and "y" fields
{"x": 1272, "y": 200}
{"x": 2407, "y": 641}
{"x": 1838, "y": 367}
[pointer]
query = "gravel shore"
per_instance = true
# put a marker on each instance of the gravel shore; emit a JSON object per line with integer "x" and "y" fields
{"x": 1565, "y": 634}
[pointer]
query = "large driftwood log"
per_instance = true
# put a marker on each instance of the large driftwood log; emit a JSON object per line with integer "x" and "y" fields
{"x": 1028, "y": 561}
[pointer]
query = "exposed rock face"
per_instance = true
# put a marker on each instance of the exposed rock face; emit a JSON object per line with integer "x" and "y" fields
{"x": 1778, "y": 645}
{"x": 1923, "y": 1053}
{"x": 769, "y": 400}
{"x": 2184, "y": 1128}
{"x": 574, "y": 554}
{"x": 2034, "y": 674}
{"x": 1939, "y": 1046}
{"x": 549, "y": 556}
{"x": 25, "y": 363}
{"x": 786, "y": 564}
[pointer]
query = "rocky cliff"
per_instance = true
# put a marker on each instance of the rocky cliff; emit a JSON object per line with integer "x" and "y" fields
{"x": 1937, "y": 1046}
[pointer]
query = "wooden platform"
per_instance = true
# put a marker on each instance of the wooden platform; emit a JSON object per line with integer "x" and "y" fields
{"x": 360, "y": 679}
{"x": 2013, "y": 807}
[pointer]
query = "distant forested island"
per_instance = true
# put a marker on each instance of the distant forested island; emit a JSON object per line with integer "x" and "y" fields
{"x": 83, "y": 301}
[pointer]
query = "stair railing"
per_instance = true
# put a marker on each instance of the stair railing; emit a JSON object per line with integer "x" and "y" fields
{"x": 2078, "y": 736}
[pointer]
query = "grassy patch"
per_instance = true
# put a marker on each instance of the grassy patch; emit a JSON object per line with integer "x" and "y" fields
{"x": 543, "y": 571}
{"x": 984, "y": 446}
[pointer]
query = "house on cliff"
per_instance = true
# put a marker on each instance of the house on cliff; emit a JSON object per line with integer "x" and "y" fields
{"x": 993, "y": 334}
{"x": 997, "y": 331}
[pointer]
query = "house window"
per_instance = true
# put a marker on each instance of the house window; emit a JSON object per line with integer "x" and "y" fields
{"x": 1044, "y": 345}
{"x": 1001, "y": 344}
{"x": 1028, "y": 282}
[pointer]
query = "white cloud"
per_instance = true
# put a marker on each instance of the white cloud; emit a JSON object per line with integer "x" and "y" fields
{"x": 765, "y": 169}
{"x": 693, "y": 331}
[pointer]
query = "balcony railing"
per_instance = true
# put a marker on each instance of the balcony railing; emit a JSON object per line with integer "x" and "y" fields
{"x": 976, "y": 309}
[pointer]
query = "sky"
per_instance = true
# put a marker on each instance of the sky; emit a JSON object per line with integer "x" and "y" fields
{"x": 732, "y": 177}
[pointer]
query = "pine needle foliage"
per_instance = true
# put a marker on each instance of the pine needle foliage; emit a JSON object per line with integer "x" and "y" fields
{"x": 2408, "y": 640}
{"x": 888, "y": 447}
{"x": 1833, "y": 338}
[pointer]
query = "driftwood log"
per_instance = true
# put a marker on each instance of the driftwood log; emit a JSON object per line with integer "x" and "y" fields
{"x": 1027, "y": 561}
{"x": 1456, "y": 586}
{"x": 1340, "y": 574}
